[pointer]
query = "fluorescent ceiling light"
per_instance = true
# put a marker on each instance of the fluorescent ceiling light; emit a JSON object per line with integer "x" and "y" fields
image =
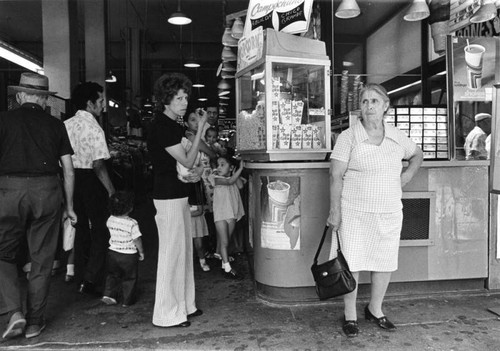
{"x": 404, "y": 87}
{"x": 20, "y": 58}
{"x": 198, "y": 85}
{"x": 202, "y": 99}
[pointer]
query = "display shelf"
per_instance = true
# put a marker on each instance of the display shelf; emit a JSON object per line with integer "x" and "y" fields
{"x": 427, "y": 126}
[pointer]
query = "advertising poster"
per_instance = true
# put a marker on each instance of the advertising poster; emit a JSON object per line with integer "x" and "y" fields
{"x": 474, "y": 61}
{"x": 289, "y": 16}
{"x": 280, "y": 201}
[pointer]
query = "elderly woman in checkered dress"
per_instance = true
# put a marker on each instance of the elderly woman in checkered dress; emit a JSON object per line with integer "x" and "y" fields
{"x": 365, "y": 201}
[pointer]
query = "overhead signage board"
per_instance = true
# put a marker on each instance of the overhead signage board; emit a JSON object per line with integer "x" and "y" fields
{"x": 289, "y": 16}
{"x": 474, "y": 67}
{"x": 250, "y": 48}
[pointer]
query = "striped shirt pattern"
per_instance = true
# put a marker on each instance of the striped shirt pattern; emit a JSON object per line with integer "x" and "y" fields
{"x": 123, "y": 231}
{"x": 372, "y": 182}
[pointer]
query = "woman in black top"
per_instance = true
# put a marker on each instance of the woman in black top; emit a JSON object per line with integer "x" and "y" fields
{"x": 175, "y": 296}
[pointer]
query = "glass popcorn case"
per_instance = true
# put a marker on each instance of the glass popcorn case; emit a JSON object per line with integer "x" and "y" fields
{"x": 283, "y": 98}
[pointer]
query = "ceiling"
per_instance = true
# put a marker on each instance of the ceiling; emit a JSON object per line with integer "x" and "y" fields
{"x": 165, "y": 45}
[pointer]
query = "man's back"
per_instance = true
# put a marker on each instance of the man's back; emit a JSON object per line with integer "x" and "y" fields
{"x": 31, "y": 142}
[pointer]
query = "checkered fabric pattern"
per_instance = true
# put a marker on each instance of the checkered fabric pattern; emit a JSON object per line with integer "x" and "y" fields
{"x": 372, "y": 182}
{"x": 369, "y": 241}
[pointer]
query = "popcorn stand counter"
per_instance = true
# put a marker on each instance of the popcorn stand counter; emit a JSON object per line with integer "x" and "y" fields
{"x": 284, "y": 135}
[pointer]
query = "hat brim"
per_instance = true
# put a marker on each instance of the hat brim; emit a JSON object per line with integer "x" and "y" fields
{"x": 15, "y": 88}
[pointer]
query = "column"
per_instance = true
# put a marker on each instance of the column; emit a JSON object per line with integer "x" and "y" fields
{"x": 60, "y": 45}
{"x": 95, "y": 40}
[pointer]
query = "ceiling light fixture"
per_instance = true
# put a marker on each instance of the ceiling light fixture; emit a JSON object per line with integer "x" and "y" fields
{"x": 191, "y": 61}
{"x": 198, "y": 84}
{"x": 202, "y": 99}
{"x": 110, "y": 78}
{"x": 237, "y": 28}
{"x": 20, "y": 58}
{"x": 485, "y": 13}
{"x": 348, "y": 9}
{"x": 179, "y": 18}
{"x": 224, "y": 92}
{"x": 417, "y": 11}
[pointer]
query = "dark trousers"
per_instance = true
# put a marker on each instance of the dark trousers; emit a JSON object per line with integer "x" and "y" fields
{"x": 30, "y": 207}
{"x": 122, "y": 276}
{"x": 92, "y": 235}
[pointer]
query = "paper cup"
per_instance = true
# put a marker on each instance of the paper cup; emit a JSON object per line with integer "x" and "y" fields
{"x": 278, "y": 199}
{"x": 474, "y": 60}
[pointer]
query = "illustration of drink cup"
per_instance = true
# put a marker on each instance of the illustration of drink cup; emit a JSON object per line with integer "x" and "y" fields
{"x": 278, "y": 199}
{"x": 474, "y": 60}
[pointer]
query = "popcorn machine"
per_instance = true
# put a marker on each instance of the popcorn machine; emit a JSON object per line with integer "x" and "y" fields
{"x": 283, "y": 120}
{"x": 282, "y": 98}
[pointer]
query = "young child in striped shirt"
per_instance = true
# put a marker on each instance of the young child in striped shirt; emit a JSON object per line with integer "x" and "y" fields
{"x": 125, "y": 250}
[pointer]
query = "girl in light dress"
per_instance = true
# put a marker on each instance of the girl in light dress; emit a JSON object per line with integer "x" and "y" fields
{"x": 228, "y": 207}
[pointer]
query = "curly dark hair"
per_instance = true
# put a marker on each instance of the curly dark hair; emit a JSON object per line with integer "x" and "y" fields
{"x": 167, "y": 86}
{"x": 120, "y": 203}
{"x": 190, "y": 109}
{"x": 231, "y": 160}
{"x": 83, "y": 92}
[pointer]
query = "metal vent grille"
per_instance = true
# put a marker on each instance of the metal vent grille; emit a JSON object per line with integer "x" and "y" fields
{"x": 416, "y": 214}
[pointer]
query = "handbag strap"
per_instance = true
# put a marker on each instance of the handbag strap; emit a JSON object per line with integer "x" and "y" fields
{"x": 322, "y": 241}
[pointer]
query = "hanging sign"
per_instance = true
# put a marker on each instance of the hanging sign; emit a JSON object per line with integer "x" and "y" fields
{"x": 250, "y": 48}
{"x": 289, "y": 16}
{"x": 474, "y": 67}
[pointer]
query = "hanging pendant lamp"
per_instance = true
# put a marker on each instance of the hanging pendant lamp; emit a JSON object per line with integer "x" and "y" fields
{"x": 110, "y": 78}
{"x": 191, "y": 63}
{"x": 237, "y": 28}
{"x": 486, "y": 12}
{"x": 228, "y": 40}
{"x": 348, "y": 9}
{"x": 179, "y": 18}
{"x": 417, "y": 11}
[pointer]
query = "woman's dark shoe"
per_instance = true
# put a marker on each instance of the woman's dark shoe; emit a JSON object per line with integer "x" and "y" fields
{"x": 382, "y": 322}
{"x": 350, "y": 328}
{"x": 232, "y": 274}
{"x": 196, "y": 313}
{"x": 181, "y": 325}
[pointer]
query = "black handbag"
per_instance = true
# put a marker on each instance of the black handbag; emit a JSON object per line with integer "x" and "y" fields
{"x": 333, "y": 278}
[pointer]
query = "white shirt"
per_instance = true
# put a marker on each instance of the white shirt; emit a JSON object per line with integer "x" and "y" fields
{"x": 475, "y": 141}
{"x": 87, "y": 140}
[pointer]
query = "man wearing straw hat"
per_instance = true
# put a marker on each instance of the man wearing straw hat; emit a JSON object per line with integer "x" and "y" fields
{"x": 32, "y": 144}
{"x": 475, "y": 143}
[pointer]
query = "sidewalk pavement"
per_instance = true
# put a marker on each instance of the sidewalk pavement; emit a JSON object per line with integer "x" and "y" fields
{"x": 234, "y": 319}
